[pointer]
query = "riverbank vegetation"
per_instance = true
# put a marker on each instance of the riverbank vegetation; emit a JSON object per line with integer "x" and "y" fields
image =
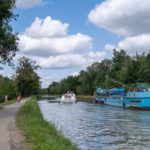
{"x": 25, "y": 82}
{"x": 85, "y": 98}
{"x": 41, "y": 134}
{"x": 8, "y": 47}
{"x": 121, "y": 70}
{"x": 7, "y": 87}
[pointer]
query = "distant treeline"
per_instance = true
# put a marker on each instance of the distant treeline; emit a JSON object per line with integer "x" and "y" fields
{"x": 121, "y": 70}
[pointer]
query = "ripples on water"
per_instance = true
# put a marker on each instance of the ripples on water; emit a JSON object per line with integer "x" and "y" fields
{"x": 98, "y": 127}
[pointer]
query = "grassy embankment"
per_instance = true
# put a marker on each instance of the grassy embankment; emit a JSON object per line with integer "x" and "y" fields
{"x": 39, "y": 133}
{"x": 87, "y": 98}
{"x": 7, "y": 103}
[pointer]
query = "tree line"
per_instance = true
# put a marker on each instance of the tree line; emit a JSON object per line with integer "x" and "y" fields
{"x": 25, "y": 81}
{"x": 119, "y": 71}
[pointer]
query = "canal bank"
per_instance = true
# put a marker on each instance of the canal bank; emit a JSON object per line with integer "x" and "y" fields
{"x": 41, "y": 134}
{"x": 85, "y": 98}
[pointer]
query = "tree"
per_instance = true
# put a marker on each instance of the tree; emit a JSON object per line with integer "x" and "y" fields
{"x": 8, "y": 40}
{"x": 52, "y": 88}
{"x": 144, "y": 71}
{"x": 7, "y": 87}
{"x": 120, "y": 65}
{"x": 27, "y": 80}
{"x": 44, "y": 91}
{"x": 85, "y": 83}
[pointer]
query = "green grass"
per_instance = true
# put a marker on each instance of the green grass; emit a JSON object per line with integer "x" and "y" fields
{"x": 86, "y": 98}
{"x": 7, "y": 103}
{"x": 39, "y": 133}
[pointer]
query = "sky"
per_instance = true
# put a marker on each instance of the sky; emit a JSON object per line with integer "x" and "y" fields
{"x": 66, "y": 36}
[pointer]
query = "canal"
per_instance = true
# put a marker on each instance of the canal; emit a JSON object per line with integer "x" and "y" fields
{"x": 99, "y": 127}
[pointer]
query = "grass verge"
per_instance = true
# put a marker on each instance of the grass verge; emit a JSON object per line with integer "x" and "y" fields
{"x": 7, "y": 103}
{"x": 38, "y": 132}
{"x": 86, "y": 98}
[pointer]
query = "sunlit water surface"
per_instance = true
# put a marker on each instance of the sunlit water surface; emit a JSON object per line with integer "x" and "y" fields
{"x": 98, "y": 127}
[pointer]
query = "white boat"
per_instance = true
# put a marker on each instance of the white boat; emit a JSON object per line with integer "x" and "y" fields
{"x": 68, "y": 98}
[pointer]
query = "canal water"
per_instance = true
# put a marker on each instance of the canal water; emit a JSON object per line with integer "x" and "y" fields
{"x": 98, "y": 127}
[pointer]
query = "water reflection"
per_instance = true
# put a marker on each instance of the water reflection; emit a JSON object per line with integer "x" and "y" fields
{"x": 96, "y": 127}
{"x": 47, "y": 97}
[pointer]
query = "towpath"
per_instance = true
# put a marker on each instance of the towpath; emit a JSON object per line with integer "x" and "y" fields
{"x": 10, "y": 136}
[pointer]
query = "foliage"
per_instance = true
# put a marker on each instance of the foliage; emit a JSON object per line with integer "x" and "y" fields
{"x": 119, "y": 71}
{"x": 27, "y": 80}
{"x": 7, "y": 87}
{"x": 44, "y": 91}
{"x": 8, "y": 40}
{"x": 41, "y": 134}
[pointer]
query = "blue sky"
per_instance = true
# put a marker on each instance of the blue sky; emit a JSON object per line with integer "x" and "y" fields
{"x": 66, "y": 36}
{"x": 74, "y": 12}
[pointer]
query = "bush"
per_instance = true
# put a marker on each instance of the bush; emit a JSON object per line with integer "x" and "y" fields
{"x": 7, "y": 87}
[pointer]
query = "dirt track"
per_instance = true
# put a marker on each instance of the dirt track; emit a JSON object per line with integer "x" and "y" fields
{"x": 10, "y": 137}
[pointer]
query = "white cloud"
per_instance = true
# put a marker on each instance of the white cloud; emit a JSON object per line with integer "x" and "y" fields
{"x": 69, "y": 60}
{"x": 61, "y": 61}
{"x": 123, "y": 17}
{"x": 96, "y": 56}
{"x": 47, "y": 41}
{"x": 109, "y": 47}
{"x": 47, "y": 37}
{"x": 132, "y": 45}
{"x": 47, "y": 27}
{"x": 54, "y": 46}
{"x": 139, "y": 44}
{"x": 48, "y": 77}
{"x": 24, "y": 4}
{"x": 75, "y": 74}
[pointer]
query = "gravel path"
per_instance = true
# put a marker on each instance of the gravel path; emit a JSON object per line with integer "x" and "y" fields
{"x": 10, "y": 137}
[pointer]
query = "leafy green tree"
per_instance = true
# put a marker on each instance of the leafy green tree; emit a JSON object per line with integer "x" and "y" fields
{"x": 85, "y": 83}
{"x": 8, "y": 40}
{"x": 121, "y": 62}
{"x": 144, "y": 72}
{"x": 7, "y": 87}
{"x": 44, "y": 91}
{"x": 52, "y": 88}
{"x": 27, "y": 80}
{"x": 71, "y": 82}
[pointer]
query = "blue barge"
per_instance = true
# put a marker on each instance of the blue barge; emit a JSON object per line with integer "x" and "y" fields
{"x": 138, "y": 100}
{"x": 115, "y": 97}
{"x": 120, "y": 98}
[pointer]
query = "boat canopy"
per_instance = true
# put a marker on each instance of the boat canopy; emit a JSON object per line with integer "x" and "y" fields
{"x": 116, "y": 90}
{"x": 99, "y": 90}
